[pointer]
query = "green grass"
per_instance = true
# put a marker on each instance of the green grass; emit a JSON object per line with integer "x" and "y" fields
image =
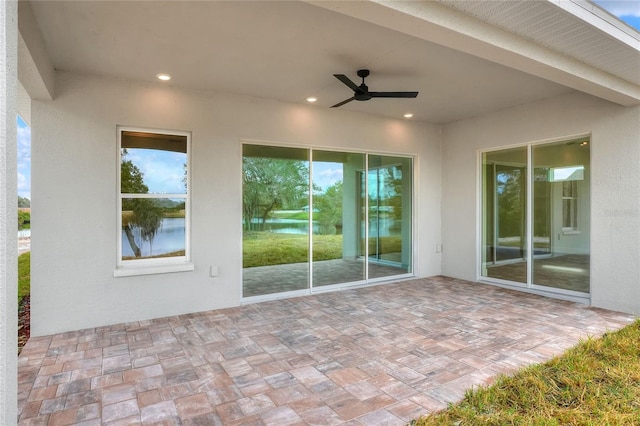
{"x": 287, "y": 215}
{"x": 594, "y": 383}
{"x": 24, "y": 275}
{"x": 266, "y": 248}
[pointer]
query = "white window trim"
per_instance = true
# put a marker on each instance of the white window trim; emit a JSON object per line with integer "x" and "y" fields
{"x": 126, "y": 268}
{"x": 574, "y": 199}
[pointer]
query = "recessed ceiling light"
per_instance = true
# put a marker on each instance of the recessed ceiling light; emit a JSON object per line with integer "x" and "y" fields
{"x": 584, "y": 143}
{"x": 163, "y": 77}
{"x": 408, "y": 115}
{"x": 312, "y": 99}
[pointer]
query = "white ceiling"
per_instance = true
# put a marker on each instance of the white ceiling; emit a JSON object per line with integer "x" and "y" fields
{"x": 278, "y": 50}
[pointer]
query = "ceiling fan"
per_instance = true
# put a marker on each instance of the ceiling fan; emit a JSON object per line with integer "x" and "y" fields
{"x": 362, "y": 93}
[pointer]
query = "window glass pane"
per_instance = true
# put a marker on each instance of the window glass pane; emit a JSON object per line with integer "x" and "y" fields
{"x": 389, "y": 189}
{"x": 336, "y": 207}
{"x": 504, "y": 208}
{"x": 153, "y": 228}
{"x": 153, "y": 163}
{"x": 561, "y": 219}
{"x": 276, "y": 209}
{"x": 153, "y": 195}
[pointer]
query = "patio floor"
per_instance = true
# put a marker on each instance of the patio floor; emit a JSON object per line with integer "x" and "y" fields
{"x": 377, "y": 355}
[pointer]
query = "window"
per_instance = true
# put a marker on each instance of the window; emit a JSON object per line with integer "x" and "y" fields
{"x": 570, "y": 205}
{"x": 569, "y": 177}
{"x": 153, "y": 202}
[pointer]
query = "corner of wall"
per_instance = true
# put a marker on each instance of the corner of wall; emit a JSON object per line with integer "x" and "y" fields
{"x": 8, "y": 217}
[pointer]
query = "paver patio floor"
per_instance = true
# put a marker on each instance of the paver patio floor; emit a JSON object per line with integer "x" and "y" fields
{"x": 377, "y": 355}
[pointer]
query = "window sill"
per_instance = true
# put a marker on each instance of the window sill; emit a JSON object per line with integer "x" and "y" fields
{"x": 132, "y": 271}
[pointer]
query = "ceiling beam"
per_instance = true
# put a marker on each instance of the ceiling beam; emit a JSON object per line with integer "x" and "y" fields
{"x": 35, "y": 70}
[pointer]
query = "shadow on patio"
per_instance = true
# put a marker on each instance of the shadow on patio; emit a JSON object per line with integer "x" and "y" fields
{"x": 376, "y": 355}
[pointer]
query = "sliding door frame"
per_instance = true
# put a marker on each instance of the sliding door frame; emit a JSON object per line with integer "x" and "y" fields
{"x": 529, "y": 286}
{"x": 311, "y": 289}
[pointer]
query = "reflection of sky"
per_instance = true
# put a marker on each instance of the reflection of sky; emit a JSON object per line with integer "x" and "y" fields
{"x": 163, "y": 170}
{"x": 503, "y": 178}
{"x": 326, "y": 174}
{"x": 24, "y": 159}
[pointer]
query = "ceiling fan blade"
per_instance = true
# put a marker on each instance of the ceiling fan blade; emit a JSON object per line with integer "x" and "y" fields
{"x": 343, "y": 102}
{"x": 393, "y": 94}
{"x": 344, "y": 79}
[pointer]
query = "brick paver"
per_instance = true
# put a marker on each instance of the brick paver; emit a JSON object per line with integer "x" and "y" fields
{"x": 374, "y": 355}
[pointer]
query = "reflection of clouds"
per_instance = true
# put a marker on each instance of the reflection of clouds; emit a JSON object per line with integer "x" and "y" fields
{"x": 163, "y": 170}
{"x": 327, "y": 177}
{"x": 620, "y": 7}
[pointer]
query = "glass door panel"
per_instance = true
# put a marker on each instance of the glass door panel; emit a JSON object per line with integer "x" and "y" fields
{"x": 388, "y": 194}
{"x": 511, "y": 193}
{"x": 542, "y": 239}
{"x": 561, "y": 216}
{"x": 504, "y": 214}
{"x": 335, "y": 218}
{"x": 275, "y": 201}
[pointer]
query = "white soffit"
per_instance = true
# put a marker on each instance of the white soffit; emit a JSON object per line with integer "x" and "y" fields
{"x": 536, "y": 37}
{"x": 580, "y": 31}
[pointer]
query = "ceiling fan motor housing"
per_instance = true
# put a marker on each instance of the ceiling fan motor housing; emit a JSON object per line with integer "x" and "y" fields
{"x": 364, "y": 95}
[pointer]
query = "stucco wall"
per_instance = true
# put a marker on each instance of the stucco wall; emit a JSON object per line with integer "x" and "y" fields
{"x": 615, "y": 186}
{"x": 8, "y": 217}
{"x": 74, "y": 192}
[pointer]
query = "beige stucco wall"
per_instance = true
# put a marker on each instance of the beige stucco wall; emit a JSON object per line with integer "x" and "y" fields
{"x": 8, "y": 217}
{"x": 615, "y": 186}
{"x": 74, "y": 191}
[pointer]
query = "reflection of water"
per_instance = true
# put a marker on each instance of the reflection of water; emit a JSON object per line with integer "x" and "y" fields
{"x": 286, "y": 226}
{"x": 170, "y": 238}
{"x": 382, "y": 228}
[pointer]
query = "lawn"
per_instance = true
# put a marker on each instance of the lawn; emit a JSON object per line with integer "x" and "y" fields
{"x": 267, "y": 248}
{"x": 270, "y": 248}
{"x": 24, "y": 275}
{"x": 594, "y": 383}
{"x": 24, "y": 306}
{"x": 290, "y": 215}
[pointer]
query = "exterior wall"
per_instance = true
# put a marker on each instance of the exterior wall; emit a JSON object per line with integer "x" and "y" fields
{"x": 8, "y": 217}
{"x": 615, "y": 186}
{"x": 74, "y": 151}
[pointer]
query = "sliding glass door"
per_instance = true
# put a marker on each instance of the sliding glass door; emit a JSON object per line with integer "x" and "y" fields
{"x": 275, "y": 202}
{"x": 567, "y": 220}
{"x": 504, "y": 214}
{"x": 535, "y": 215}
{"x": 388, "y": 189}
{"x": 318, "y": 218}
{"x": 336, "y": 217}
